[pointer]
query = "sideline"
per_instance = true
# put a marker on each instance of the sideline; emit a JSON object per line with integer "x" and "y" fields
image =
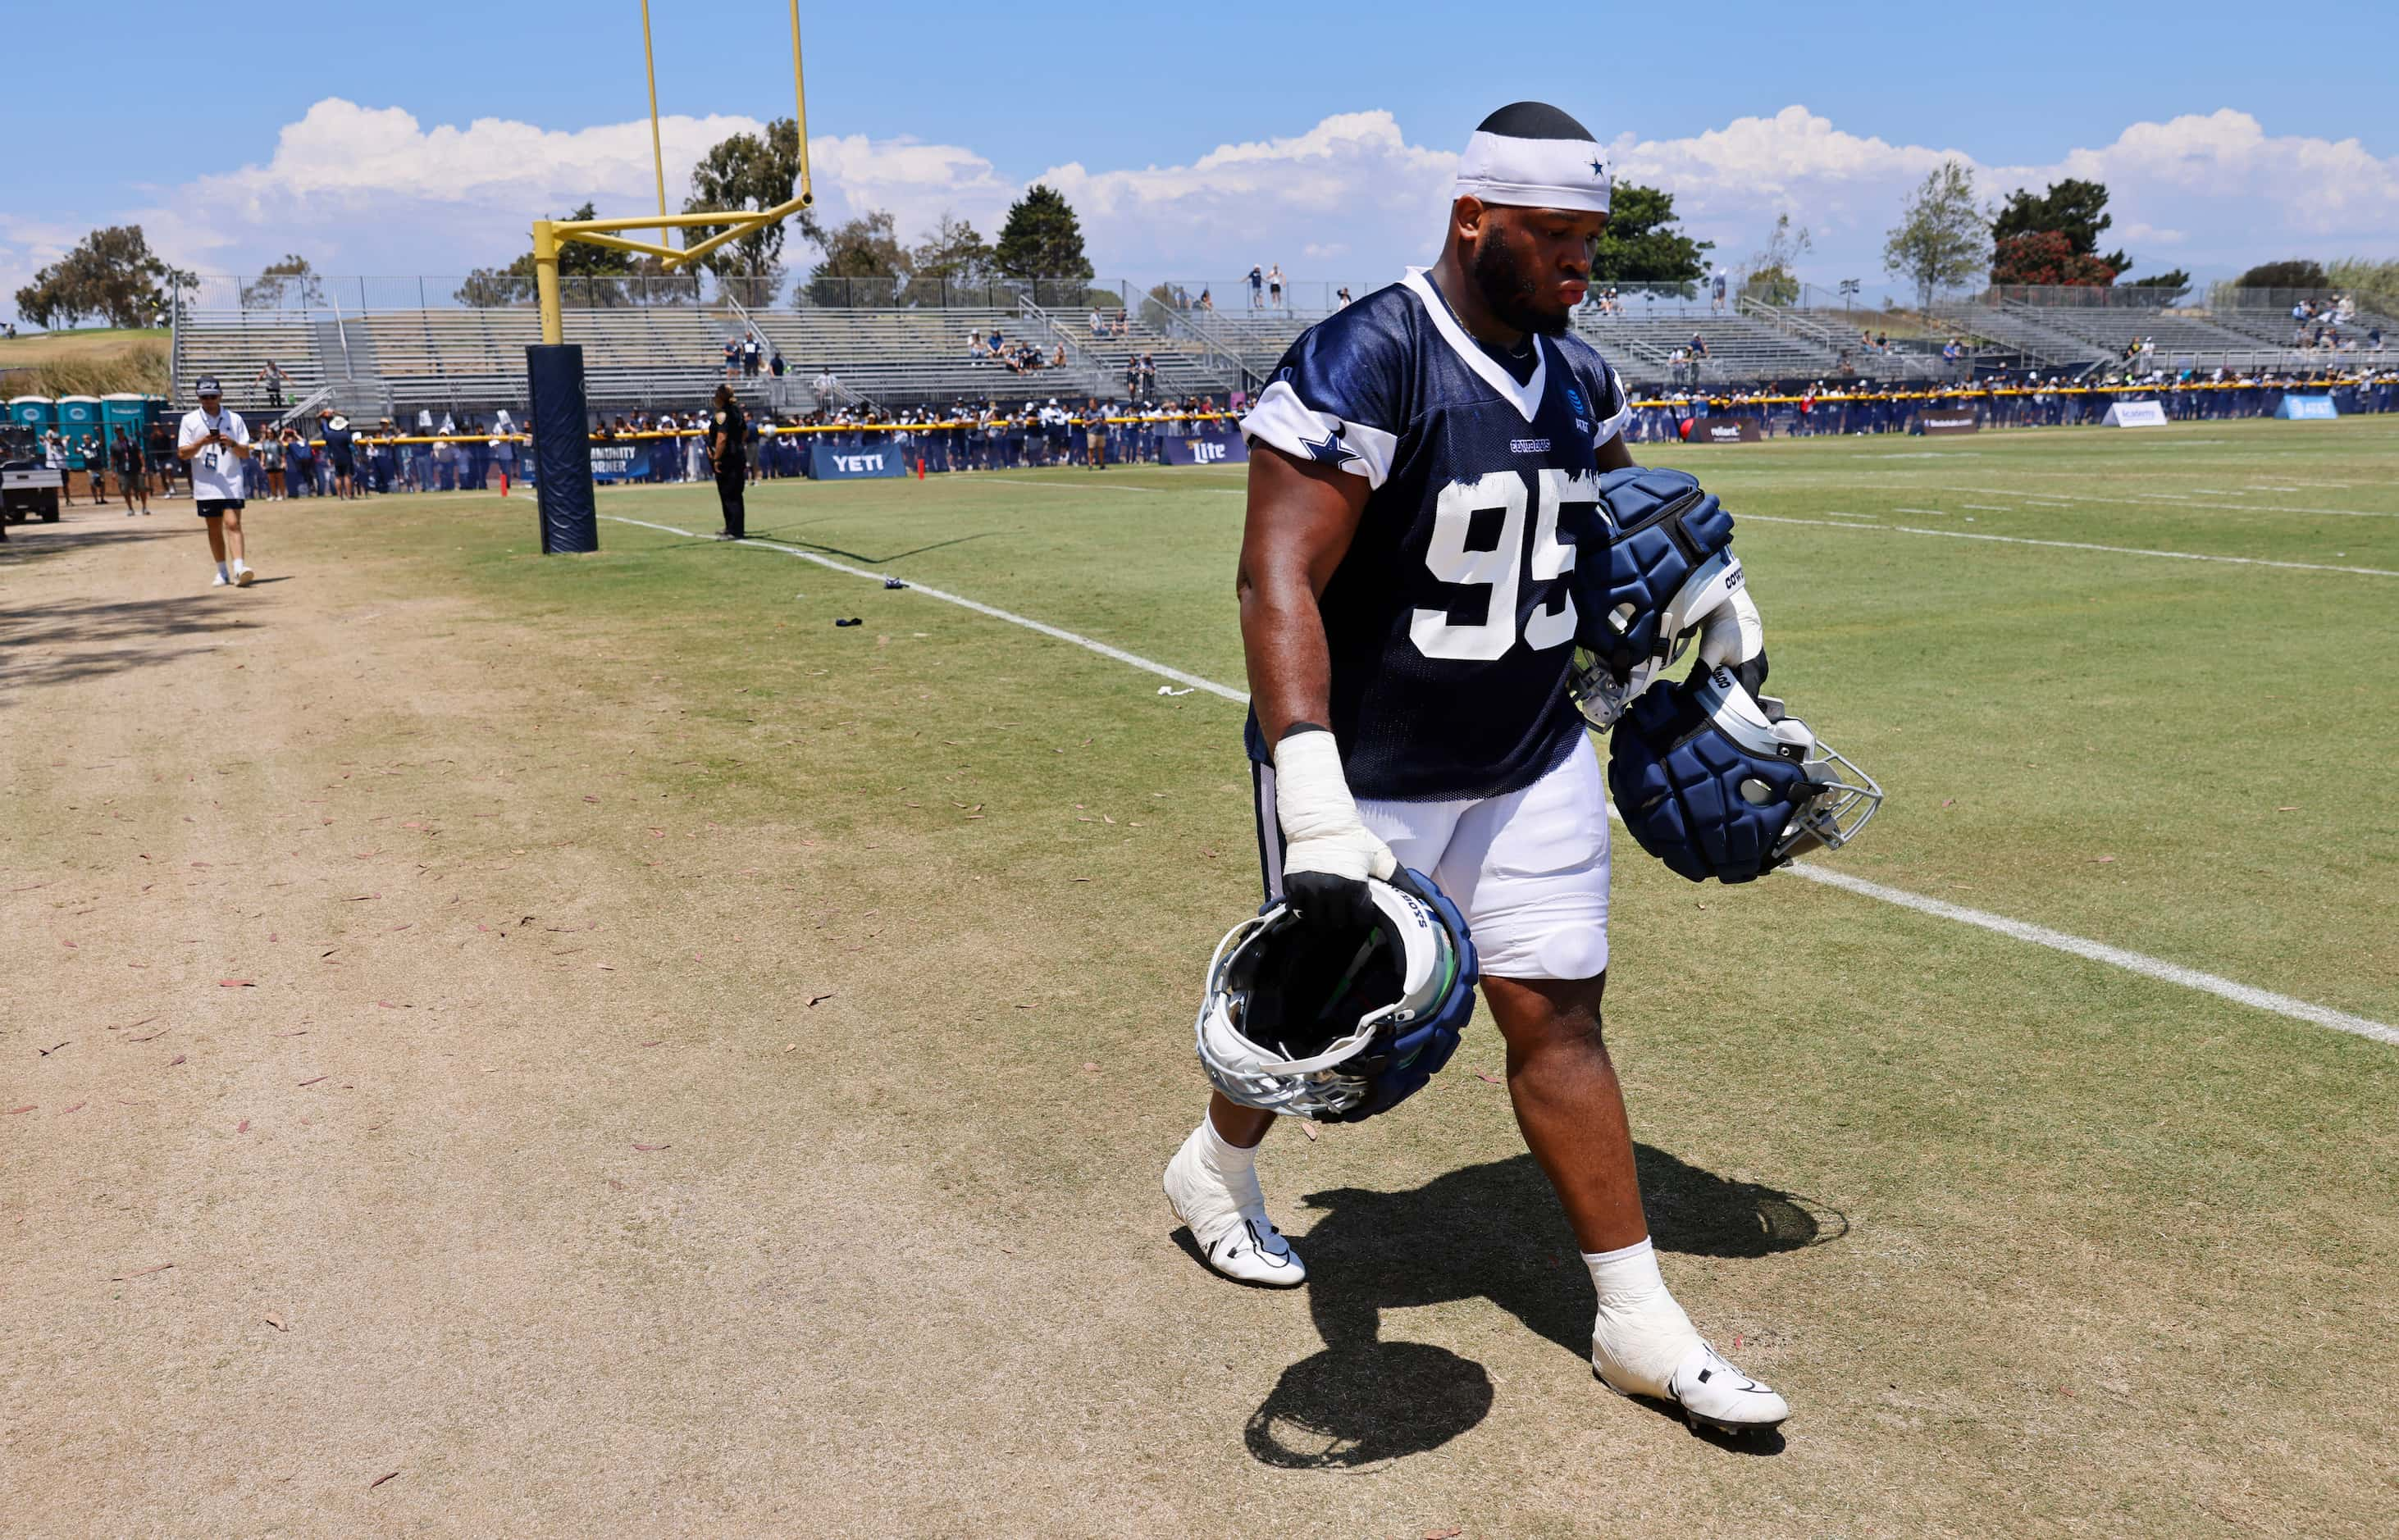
{"x": 2097, "y": 952}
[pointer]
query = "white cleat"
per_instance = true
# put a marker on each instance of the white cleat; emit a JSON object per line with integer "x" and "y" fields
{"x": 243, "y": 577}
{"x": 1711, "y": 1391}
{"x": 220, "y": 581}
{"x": 1228, "y": 1218}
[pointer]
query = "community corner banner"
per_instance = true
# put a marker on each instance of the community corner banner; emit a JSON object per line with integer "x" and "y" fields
{"x": 1223, "y": 447}
{"x": 620, "y": 462}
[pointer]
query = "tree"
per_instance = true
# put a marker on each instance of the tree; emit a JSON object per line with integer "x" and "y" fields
{"x": 2074, "y": 208}
{"x": 2047, "y": 257}
{"x": 1770, "y": 278}
{"x": 864, "y": 262}
{"x": 290, "y": 276}
{"x": 953, "y": 253}
{"x": 746, "y": 171}
{"x": 2376, "y": 284}
{"x": 1043, "y": 238}
{"x": 2296, "y": 273}
{"x": 515, "y": 284}
{"x": 2172, "y": 285}
{"x": 111, "y": 274}
{"x": 1941, "y": 239}
{"x": 1642, "y": 243}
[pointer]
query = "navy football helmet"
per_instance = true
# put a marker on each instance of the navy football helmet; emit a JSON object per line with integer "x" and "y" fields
{"x": 1339, "y": 1025}
{"x": 1717, "y": 783}
{"x": 1670, "y": 565}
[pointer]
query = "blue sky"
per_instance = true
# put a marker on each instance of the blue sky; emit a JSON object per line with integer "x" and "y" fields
{"x": 2231, "y": 139}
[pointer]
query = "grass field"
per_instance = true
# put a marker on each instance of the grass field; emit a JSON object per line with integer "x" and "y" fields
{"x": 93, "y": 361}
{"x": 591, "y": 1036}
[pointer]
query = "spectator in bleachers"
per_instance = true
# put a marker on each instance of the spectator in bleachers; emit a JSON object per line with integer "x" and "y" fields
{"x": 1058, "y": 359}
{"x": 1716, "y": 290}
{"x": 1699, "y": 345}
{"x": 273, "y": 379}
{"x": 1099, "y": 324}
{"x": 824, "y": 384}
{"x": 1274, "y": 286}
{"x": 774, "y": 364}
{"x": 1207, "y": 300}
{"x": 753, "y": 355}
{"x": 1341, "y": 297}
{"x": 732, "y": 357}
{"x": 1257, "y": 287}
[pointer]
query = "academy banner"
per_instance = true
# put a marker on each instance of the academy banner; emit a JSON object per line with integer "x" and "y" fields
{"x": 1223, "y": 447}
{"x": 852, "y": 463}
{"x": 2134, "y": 414}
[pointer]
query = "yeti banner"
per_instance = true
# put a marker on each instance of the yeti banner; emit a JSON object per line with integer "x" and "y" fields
{"x": 851, "y": 461}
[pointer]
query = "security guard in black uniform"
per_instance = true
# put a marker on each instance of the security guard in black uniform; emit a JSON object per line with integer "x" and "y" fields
{"x": 727, "y": 446}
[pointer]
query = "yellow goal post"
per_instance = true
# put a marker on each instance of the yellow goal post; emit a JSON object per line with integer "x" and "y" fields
{"x": 549, "y": 235}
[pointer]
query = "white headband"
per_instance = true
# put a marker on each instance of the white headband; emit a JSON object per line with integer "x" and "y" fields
{"x": 1533, "y": 173}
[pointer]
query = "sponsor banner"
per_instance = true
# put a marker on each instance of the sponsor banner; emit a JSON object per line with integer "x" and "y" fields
{"x": 2300, "y": 409}
{"x": 851, "y": 461}
{"x": 1220, "y": 448}
{"x": 2134, "y": 414}
{"x": 1965, "y": 420}
{"x": 620, "y": 462}
{"x": 1727, "y": 431}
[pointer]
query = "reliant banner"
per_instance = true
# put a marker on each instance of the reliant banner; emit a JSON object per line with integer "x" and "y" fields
{"x": 1725, "y": 430}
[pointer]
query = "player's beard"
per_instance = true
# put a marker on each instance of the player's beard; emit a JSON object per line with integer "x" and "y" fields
{"x": 1512, "y": 290}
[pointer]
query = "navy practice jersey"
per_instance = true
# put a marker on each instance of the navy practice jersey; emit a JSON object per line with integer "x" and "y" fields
{"x": 1450, "y": 623}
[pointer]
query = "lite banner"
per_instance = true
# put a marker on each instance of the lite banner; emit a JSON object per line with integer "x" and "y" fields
{"x": 570, "y": 519}
{"x": 1223, "y": 447}
{"x": 1727, "y": 431}
{"x": 2134, "y": 414}
{"x": 853, "y": 462}
{"x": 2303, "y": 409}
{"x": 620, "y": 462}
{"x": 1948, "y": 422}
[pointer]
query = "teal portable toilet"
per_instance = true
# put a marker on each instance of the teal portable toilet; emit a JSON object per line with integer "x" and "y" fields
{"x": 126, "y": 409}
{"x": 77, "y": 416}
{"x": 35, "y": 413}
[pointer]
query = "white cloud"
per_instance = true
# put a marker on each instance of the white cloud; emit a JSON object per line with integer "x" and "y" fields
{"x": 364, "y": 189}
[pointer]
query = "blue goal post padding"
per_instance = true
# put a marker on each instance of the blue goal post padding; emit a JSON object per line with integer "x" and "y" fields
{"x": 562, "y": 446}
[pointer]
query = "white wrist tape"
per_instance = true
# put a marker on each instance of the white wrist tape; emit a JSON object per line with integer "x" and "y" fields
{"x": 1320, "y": 827}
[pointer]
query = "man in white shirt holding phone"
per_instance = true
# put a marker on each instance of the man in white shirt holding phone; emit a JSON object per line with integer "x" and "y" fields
{"x": 214, "y": 443}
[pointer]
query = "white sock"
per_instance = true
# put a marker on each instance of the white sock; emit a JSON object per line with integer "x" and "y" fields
{"x": 1224, "y": 1157}
{"x": 1640, "y": 1336}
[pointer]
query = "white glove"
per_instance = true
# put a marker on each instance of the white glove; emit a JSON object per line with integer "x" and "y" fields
{"x": 1328, "y": 852}
{"x": 1732, "y": 634}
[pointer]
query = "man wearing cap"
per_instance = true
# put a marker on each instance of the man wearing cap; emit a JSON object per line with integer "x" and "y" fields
{"x": 341, "y": 452}
{"x": 1423, "y": 463}
{"x": 214, "y": 442}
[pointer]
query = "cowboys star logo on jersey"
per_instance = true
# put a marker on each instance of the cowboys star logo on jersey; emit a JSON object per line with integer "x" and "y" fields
{"x": 1449, "y": 620}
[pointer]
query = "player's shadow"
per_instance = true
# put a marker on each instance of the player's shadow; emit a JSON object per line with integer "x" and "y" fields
{"x": 1487, "y": 1232}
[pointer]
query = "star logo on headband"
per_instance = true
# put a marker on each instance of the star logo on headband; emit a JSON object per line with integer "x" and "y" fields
{"x": 1598, "y": 170}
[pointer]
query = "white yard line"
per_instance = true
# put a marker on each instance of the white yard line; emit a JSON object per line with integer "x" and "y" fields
{"x": 2097, "y": 952}
{"x": 1934, "y": 512}
{"x": 1985, "y": 507}
{"x": 2177, "y": 498}
{"x": 2073, "y": 545}
{"x": 1102, "y": 648}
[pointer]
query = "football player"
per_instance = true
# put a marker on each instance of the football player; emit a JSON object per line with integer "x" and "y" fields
{"x": 1424, "y": 464}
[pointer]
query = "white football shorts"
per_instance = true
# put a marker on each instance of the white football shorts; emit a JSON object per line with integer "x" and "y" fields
{"x": 1528, "y": 870}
